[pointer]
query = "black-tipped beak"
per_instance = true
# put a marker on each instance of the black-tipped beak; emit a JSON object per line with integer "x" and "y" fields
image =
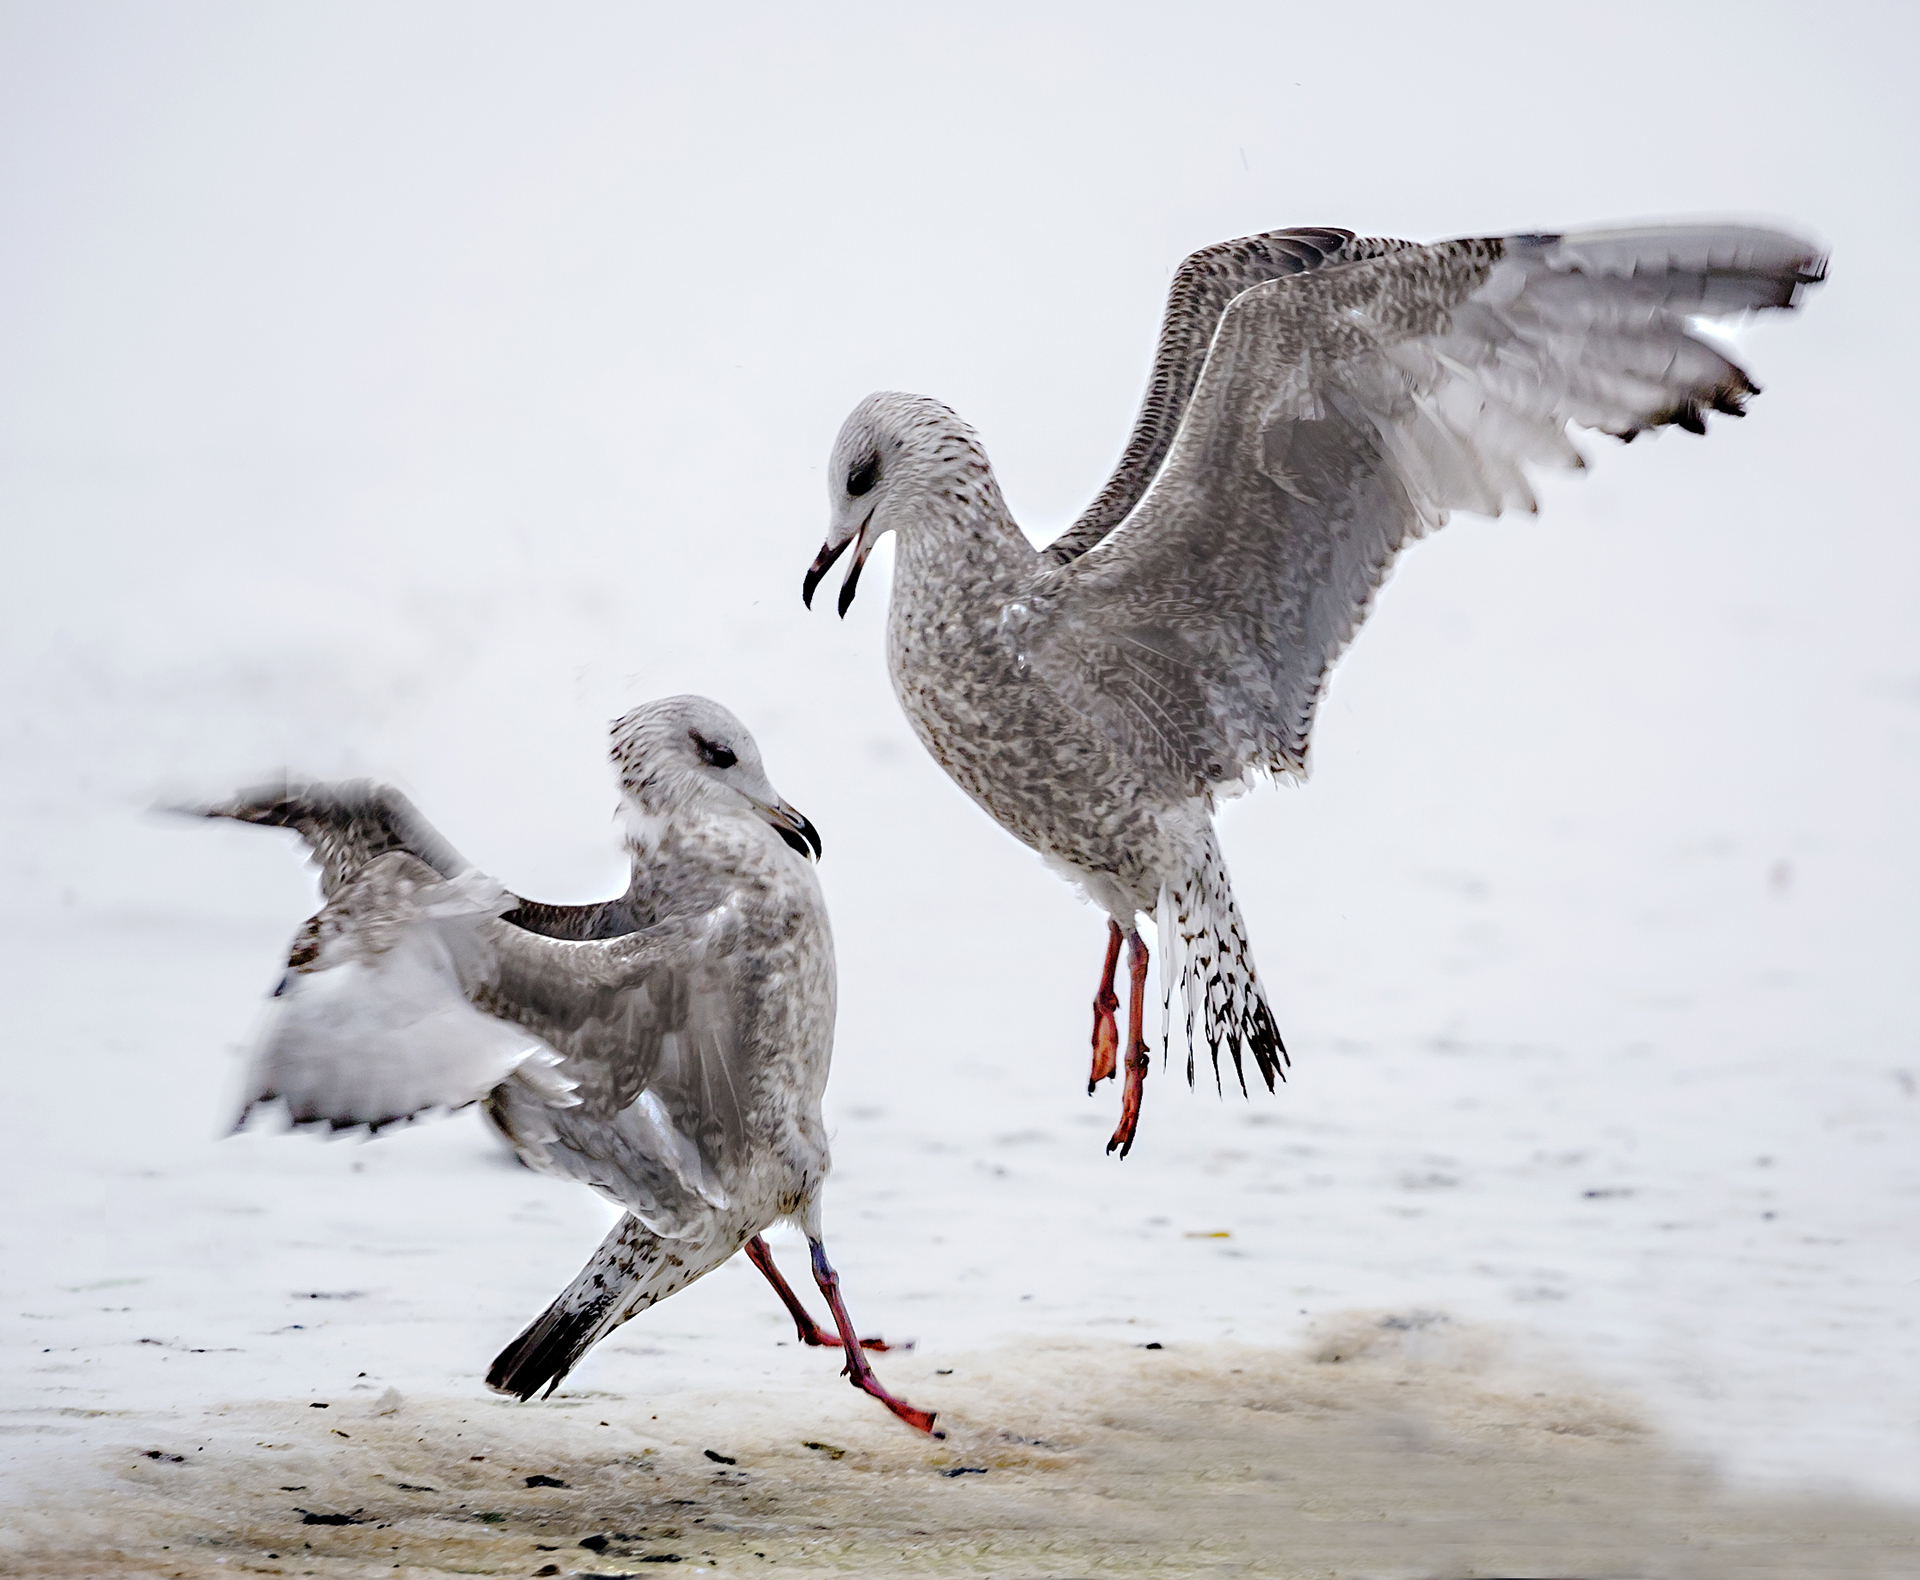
{"x": 792, "y": 828}
{"x": 829, "y": 552}
{"x": 852, "y": 583}
{"x": 822, "y": 563}
{"x": 811, "y": 835}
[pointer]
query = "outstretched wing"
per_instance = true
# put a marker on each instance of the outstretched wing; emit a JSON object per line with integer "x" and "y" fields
{"x": 422, "y": 984}
{"x": 1206, "y": 283}
{"x": 348, "y": 825}
{"x": 345, "y": 825}
{"x": 1344, "y": 410}
{"x": 371, "y": 1024}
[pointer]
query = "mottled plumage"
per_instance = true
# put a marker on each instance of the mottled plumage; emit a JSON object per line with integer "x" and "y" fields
{"x": 668, "y": 1048}
{"x": 1317, "y": 400}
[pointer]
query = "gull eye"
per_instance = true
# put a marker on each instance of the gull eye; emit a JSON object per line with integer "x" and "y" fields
{"x": 864, "y": 476}
{"x": 712, "y": 753}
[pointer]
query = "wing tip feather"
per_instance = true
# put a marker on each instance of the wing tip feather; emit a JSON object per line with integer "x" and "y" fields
{"x": 308, "y": 1120}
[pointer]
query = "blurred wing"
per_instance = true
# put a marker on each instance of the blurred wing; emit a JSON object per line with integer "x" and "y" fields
{"x": 608, "y": 1051}
{"x": 348, "y": 825}
{"x": 345, "y": 825}
{"x": 1207, "y": 282}
{"x": 371, "y": 1024}
{"x": 1342, "y": 411}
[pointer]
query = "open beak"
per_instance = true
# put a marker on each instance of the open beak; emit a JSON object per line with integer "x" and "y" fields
{"x": 823, "y": 562}
{"x": 790, "y": 826}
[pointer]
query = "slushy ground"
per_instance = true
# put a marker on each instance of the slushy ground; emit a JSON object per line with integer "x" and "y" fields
{"x": 1585, "y": 1334}
{"x": 1396, "y": 1446}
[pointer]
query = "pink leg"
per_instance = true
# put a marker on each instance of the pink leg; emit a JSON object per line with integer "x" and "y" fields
{"x": 857, "y": 1368}
{"x": 761, "y": 1255}
{"x": 1106, "y": 1034}
{"x": 1136, "y": 1046}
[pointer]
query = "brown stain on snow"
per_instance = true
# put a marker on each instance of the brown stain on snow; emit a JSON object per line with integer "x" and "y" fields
{"x": 1381, "y": 1452}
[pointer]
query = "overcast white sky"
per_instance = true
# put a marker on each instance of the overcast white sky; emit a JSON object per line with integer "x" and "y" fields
{"x": 407, "y": 390}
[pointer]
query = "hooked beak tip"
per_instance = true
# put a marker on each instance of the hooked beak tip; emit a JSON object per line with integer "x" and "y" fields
{"x": 795, "y": 831}
{"x": 799, "y": 834}
{"x": 822, "y": 563}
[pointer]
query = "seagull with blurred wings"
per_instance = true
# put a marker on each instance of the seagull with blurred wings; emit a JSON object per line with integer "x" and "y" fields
{"x": 1318, "y": 399}
{"x": 668, "y": 1048}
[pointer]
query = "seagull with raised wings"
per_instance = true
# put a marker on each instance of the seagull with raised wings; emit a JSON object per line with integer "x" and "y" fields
{"x": 668, "y": 1048}
{"x": 1317, "y": 400}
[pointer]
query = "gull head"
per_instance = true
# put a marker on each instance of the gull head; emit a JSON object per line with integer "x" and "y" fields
{"x": 685, "y": 754}
{"x": 891, "y": 449}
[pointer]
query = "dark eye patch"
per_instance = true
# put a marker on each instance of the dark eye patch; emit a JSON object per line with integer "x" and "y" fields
{"x": 864, "y": 476}
{"x": 712, "y": 753}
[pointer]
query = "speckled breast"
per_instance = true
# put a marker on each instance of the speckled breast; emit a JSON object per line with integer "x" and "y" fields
{"x": 1048, "y": 776}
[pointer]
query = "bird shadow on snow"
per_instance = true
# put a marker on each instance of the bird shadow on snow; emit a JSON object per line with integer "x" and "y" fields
{"x": 1393, "y": 1446}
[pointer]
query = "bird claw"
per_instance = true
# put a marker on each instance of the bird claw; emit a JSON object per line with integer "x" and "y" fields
{"x": 919, "y": 1420}
{"x": 1130, "y": 1103}
{"x": 861, "y": 1376}
{"x": 1106, "y": 1045}
{"x": 1106, "y": 1030}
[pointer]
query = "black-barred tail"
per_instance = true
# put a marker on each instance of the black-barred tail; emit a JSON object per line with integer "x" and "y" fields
{"x": 1206, "y": 965}
{"x": 633, "y": 1268}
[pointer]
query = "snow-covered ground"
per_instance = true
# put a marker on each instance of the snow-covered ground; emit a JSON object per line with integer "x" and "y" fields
{"x": 409, "y": 393}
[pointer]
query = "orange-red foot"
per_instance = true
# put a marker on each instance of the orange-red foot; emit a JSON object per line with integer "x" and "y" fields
{"x": 1106, "y": 1030}
{"x": 1130, "y": 1102}
{"x": 809, "y": 1331}
{"x": 821, "y": 1339}
{"x": 1106, "y": 1043}
{"x": 857, "y": 1371}
{"x": 919, "y": 1420}
{"x": 1136, "y": 1048}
